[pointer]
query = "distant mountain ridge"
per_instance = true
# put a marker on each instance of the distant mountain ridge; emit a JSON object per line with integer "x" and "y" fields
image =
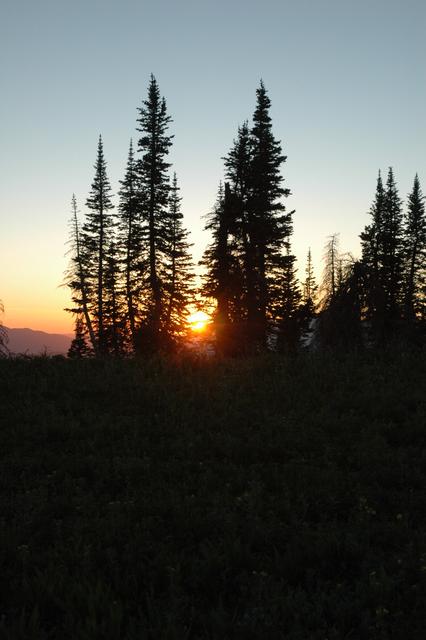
{"x": 30, "y": 342}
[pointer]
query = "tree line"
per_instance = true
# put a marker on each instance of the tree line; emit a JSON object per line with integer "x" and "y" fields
{"x": 131, "y": 272}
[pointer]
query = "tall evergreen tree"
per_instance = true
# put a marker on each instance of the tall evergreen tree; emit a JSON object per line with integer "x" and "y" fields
{"x": 95, "y": 240}
{"x": 178, "y": 272}
{"x": 415, "y": 253}
{"x": 288, "y": 313}
{"x": 152, "y": 171}
{"x": 114, "y": 303}
{"x": 310, "y": 289}
{"x": 79, "y": 347}
{"x": 223, "y": 279}
{"x": 372, "y": 236}
{"x": 271, "y": 226}
{"x": 131, "y": 239}
{"x": 391, "y": 255}
{"x": 77, "y": 277}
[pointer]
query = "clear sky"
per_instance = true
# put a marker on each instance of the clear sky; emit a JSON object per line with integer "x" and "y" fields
{"x": 347, "y": 84}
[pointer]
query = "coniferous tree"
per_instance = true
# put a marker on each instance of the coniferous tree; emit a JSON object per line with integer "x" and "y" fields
{"x": 79, "y": 347}
{"x": 238, "y": 174}
{"x": 223, "y": 279}
{"x": 114, "y": 303}
{"x": 391, "y": 254}
{"x": 154, "y": 145}
{"x": 288, "y": 313}
{"x": 178, "y": 272}
{"x": 95, "y": 239}
{"x": 330, "y": 278}
{"x": 77, "y": 277}
{"x": 310, "y": 288}
{"x": 132, "y": 242}
{"x": 415, "y": 254}
{"x": 271, "y": 226}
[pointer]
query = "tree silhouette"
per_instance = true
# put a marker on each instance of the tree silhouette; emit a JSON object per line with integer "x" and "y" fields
{"x": 178, "y": 275}
{"x": 94, "y": 242}
{"x": 77, "y": 277}
{"x": 79, "y": 347}
{"x": 271, "y": 226}
{"x": 131, "y": 242}
{"x": 152, "y": 167}
{"x": 415, "y": 254}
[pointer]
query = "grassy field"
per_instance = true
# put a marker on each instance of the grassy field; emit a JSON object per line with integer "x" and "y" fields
{"x": 266, "y": 498}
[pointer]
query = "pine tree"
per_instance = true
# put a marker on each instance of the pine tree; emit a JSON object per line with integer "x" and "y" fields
{"x": 154, "y": 145}
{"x": 391, "y": 253}
{"x": 372, "y": 236}
{"x": 310, "y": 288}
{"x": 178, "y": 273}
{"x": 79, "y": 347}
{"x": 77, "y": 277}
{"x": 271, "y": 226}
{"x": 415, "y": 253}
{"x": 114, "y": 303}
{"x": 288, "y": 313}
{"x": 94, "y": 242}
{"x": 240, "y": 228}
{"x": 223, "y": 278}
{"x": 132, "y": 242}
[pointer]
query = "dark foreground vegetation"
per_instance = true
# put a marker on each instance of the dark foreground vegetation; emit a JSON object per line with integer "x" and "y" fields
{"x": 221, "y": 499}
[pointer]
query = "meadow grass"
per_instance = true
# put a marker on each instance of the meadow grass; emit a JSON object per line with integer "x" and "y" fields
{"x": 261, "y": 498}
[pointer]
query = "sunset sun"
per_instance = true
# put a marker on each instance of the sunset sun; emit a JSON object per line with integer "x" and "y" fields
{"x": 198, "y": 321}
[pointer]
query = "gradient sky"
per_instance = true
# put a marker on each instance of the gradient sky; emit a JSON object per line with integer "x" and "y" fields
{"x": 346, "y": 80}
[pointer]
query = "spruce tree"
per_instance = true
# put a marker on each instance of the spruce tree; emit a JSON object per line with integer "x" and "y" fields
{"x": 152, "y": 168}
{"x": 415, "y": 253}
{"x": 131, "y": 241}
{"x": 178, "y": 272}
{"x": 287, "y": 311}
{"x": 223, "y": 279}
{"x": 79, "y": 347}
{"x": 310, "y": 289}
{"x": 271, "y": 226}
{"x": 114, "y": 303}
{"x": 77, "y": 277}
{"x": 391, "y": 254}
{"x": 95, "y": 240}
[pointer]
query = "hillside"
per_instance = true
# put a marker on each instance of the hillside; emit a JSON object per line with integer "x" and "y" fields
{"x": 268, "y": 498}
{"x": 28, "y": 341}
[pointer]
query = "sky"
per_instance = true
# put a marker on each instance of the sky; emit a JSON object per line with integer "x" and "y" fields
{"x": 346, "y": 79}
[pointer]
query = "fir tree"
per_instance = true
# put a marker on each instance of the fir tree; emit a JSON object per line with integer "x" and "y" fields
{"x": 79, "y": 347}
{"x": 154, "y": 145}
{"x": 415, "y": 253}
{"x": 131, "y": 240}
{"x": 77, "y": 278}
{"x": 271, "y": 226}
{"x": 288, "y": 313}
{"x": 178, "y": 272}
{"x": 114, "y": 305}
{"x": 391, "y": 250}
{"x": 95, "y": 240}
{"x": 222, "y": 280}
{"x": 310, "y": 288}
